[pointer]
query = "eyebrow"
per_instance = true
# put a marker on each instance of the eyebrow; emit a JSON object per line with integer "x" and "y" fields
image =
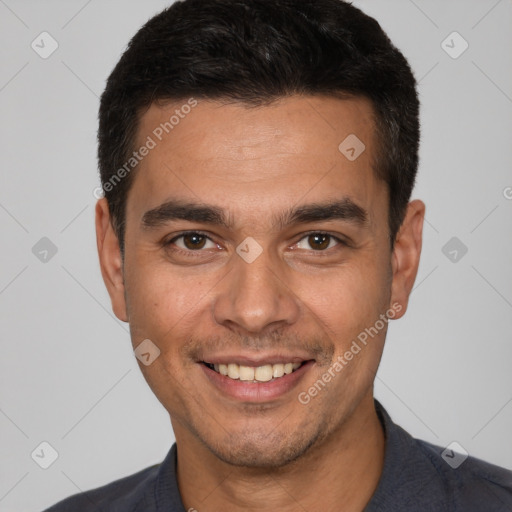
{"x": 344, "y": 209}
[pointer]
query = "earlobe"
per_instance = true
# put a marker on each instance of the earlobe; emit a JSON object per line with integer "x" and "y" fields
{"x": 111, "y": 263}
{"x": 406, "y": 254}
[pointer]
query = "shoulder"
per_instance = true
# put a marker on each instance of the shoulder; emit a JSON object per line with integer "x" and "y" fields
{"x": 418, "y": 475}
{"x": 119, "y": 496}
{"x": 471, "y": 483}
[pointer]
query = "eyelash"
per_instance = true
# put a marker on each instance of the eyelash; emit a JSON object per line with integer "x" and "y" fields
{"x": 190, "y": 252}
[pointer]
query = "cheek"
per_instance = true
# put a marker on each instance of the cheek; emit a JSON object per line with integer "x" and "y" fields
{"x": 349, "y": 299}
{"x": 159, "y": 302}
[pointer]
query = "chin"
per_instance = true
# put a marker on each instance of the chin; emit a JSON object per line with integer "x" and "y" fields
{"x": 262, "y": 450}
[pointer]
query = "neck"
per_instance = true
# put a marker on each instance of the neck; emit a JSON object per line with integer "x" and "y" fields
{"x": 343, "y": 469}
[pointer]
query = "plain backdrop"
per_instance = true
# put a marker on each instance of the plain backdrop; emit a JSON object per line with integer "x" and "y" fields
{"x": 68, "y": 375}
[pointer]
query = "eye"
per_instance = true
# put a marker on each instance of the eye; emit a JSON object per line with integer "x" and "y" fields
{"x": 192, "y": 241}
{"x": 319, "y": 241}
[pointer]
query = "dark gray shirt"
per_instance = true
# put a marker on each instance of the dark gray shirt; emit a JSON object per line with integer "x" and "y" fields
{"x": 416, "y": 477}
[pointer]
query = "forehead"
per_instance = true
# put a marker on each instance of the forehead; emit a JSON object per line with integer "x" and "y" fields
{"x": 282, "y": 152}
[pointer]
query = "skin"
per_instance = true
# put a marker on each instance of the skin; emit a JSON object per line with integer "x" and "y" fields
{"x": 255, "y": 163}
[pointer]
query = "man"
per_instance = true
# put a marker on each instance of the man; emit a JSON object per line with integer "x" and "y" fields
{"x": 257, "y": 233}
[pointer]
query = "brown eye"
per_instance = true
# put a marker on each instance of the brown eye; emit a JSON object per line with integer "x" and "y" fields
{"x": 319, "y": 241}
{"x": 194, "y": 241}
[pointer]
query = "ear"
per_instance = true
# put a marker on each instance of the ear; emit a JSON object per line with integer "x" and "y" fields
{"x": 405, "y": 258}
{"x": 111, "y": 262}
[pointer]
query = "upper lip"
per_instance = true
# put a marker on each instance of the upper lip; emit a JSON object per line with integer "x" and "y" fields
{"x": 255, "y": 360}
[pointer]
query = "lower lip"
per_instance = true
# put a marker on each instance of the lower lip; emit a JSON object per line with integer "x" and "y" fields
{"x": 256, "y": 391}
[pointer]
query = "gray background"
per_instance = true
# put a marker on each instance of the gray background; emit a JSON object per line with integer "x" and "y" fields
{"x": 67, "y": 372}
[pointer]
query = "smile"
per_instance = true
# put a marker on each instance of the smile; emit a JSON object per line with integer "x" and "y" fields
{"x": 253, "y": 374}
{"x": 256, "y": 381}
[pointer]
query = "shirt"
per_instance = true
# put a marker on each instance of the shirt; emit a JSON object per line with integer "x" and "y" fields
{"x": 416, "y": 476}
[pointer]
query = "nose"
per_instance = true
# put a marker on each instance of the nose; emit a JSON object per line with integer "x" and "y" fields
{"x": 254, "y": 297}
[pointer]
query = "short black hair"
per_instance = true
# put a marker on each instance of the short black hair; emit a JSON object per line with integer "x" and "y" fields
{"x": 256, "y": 52}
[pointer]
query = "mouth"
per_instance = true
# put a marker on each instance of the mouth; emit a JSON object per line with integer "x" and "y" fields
{"x": 254, "y": 374}
{"x": 251, "y": 381}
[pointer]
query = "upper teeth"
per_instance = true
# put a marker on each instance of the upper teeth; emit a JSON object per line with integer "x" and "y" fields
{"x": 260, "y": 373}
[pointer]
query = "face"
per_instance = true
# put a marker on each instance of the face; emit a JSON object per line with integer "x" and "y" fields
{"x": 254, "y": 246}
